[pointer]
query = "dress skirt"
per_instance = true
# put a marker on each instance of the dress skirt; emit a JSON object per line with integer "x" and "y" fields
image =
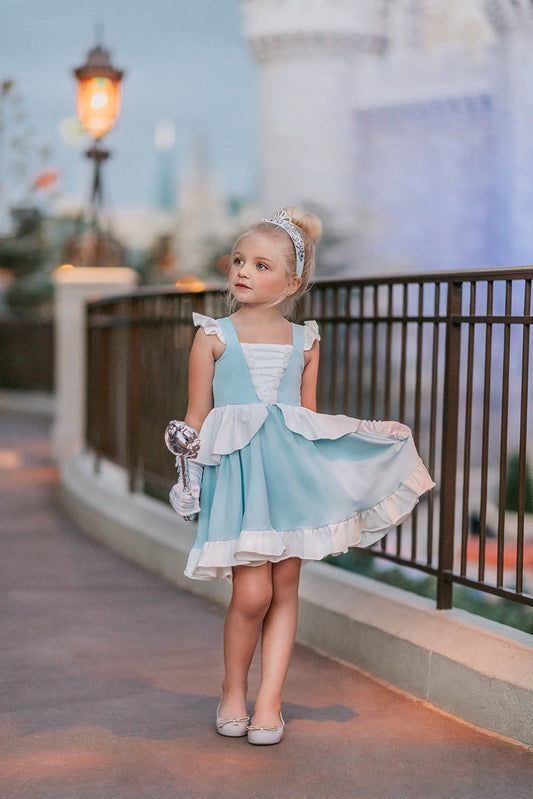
{"x": 285, "y": 495}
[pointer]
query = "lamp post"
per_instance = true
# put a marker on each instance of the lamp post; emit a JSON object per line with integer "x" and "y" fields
{"x": 99, "y": 86}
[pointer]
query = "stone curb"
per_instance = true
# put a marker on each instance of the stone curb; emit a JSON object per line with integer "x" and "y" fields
{"x": 33, "y": 403}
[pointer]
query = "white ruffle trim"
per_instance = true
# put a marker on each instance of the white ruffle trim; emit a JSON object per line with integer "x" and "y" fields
{"x": 211, "y": 326}
{"x": 228, "y": 428}
{"x": 314, "y": 426}
{"x": 267, "y": 364}
{"x": 255, "y": 547}
{"x": 311, "y": 334}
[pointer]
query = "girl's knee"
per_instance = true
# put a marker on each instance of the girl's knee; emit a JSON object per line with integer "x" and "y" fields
{"x": 285, "y": 581}
{"x": 254, "y": 602}
{"x": 286, "y": 575}
{"x": 258, "y": 602}
{"x": 252, "y": 593}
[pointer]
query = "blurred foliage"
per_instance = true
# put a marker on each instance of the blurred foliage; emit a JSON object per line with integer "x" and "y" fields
{"x": 26, "y": 253}
{"x": 37, "y": 246}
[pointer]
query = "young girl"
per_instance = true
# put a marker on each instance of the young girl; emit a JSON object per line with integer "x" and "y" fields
{"x": 281, "y": 484}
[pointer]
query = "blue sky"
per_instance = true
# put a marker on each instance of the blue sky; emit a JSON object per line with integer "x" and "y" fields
{"x": 183, "y": 61}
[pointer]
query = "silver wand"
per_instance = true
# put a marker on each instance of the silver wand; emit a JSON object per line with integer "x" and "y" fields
{"x": 182, "y": 440}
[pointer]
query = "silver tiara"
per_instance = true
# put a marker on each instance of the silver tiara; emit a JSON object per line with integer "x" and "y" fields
{"x": 283, "y": 220}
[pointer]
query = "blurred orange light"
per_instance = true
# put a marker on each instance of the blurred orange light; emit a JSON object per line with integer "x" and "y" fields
{"x": 190, "y": 283}
{"x": 45, "y": 178}
{"x": 98, "y": 105}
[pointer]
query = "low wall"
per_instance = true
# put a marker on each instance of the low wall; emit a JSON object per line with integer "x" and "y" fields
{"x": 20, "y": 341}
{"x": 476, "y": 669}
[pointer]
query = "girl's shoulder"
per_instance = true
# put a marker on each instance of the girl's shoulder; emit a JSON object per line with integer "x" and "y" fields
{"x": 211, "y": 327}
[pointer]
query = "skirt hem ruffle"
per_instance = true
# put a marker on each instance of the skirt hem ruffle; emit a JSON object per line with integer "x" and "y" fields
{"x": 215, "y": 559}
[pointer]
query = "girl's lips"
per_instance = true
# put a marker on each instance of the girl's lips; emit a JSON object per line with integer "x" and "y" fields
{"x": 241, "y": 286}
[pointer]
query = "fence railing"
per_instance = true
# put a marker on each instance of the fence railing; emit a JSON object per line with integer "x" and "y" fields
{"x": 448, "y": 354}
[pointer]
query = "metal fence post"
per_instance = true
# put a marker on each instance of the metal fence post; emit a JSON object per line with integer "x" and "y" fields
{"x": 450, "y": 420}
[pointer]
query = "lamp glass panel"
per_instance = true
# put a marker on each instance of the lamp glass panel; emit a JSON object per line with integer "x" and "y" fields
{"x": 98, "y": 105}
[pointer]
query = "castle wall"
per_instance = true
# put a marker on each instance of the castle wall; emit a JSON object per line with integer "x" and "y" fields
{"x": 415, "y": 147}
{"x": 514, "y": 167}
{"x": 425, "y": 195}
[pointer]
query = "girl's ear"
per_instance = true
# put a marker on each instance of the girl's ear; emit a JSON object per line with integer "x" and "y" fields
{"x": 224, "y": 264}
{"x": 293, "y": 284}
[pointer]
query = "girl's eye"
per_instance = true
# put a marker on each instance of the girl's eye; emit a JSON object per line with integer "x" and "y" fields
{"x": 238, "y": 261}
{"x": 261, "y": 266}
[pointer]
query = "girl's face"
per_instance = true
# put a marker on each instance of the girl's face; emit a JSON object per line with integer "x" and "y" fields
{"x": 258, "y": 273}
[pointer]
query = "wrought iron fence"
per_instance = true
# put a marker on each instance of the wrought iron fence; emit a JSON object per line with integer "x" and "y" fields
{"x": 448, "y": 354}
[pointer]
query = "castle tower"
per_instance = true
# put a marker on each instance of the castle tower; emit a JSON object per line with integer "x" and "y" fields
{"x": 307, "y": 52}
{"x": 202, "y": 219}
{"x": 165, "y": 138}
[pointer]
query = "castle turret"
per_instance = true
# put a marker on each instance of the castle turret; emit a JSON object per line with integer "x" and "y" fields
{"x": 306, "y": 51}
{"x": 202, "y": 222}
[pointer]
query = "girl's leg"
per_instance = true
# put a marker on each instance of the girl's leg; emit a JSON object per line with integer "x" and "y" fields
{"x": 279, "y": 630}
{"x": 252, "y": 595}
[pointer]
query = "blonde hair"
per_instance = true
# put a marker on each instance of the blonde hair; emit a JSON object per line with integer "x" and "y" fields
{"x": 310, "y": 228}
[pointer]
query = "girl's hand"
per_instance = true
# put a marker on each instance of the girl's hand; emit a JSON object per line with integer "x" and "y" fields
{"x": 186, "y": 502}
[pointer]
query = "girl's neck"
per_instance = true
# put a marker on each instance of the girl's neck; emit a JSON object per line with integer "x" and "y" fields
{"x": 256, "y": 325}
{"x": 257, "y": 315}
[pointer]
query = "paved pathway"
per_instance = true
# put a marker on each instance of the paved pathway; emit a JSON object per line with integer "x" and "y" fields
{"x": 110, "y": 677}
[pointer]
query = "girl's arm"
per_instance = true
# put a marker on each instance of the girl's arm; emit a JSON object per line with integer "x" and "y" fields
{"x": 201, "y": 371}
{"x": 309, "y": 377}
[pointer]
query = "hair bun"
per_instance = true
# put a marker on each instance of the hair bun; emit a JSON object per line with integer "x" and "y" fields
{"x": 306, "y": 221}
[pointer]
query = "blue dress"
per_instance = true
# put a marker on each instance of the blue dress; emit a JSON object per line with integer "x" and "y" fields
{"x": 281, "y": 481}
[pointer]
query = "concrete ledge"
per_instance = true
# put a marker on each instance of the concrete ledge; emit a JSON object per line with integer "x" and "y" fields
{"x": 476, "y": 669}
{"x": 33, "y": 403}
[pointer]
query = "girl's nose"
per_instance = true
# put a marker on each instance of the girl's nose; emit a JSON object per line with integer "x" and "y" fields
{"x": 243, "y": 269}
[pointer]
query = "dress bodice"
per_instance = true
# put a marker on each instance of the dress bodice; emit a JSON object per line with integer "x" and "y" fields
{"x": 233, "y": 383}
{"x": 266, "y": 364}
{"x": 257, "y": 373}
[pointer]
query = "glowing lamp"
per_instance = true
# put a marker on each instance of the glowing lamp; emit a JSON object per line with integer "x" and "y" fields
{"x": 98, "y": 93}
{"x": 99, "y": 85}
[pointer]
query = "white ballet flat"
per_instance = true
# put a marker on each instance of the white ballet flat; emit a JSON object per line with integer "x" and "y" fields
{"x": 232, "y": 728}
{"x": 265, "y": 736}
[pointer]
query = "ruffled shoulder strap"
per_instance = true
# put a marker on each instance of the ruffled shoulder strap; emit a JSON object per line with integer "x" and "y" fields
{"x": 311, "y": 334}
{"x": 211, "y": 326}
